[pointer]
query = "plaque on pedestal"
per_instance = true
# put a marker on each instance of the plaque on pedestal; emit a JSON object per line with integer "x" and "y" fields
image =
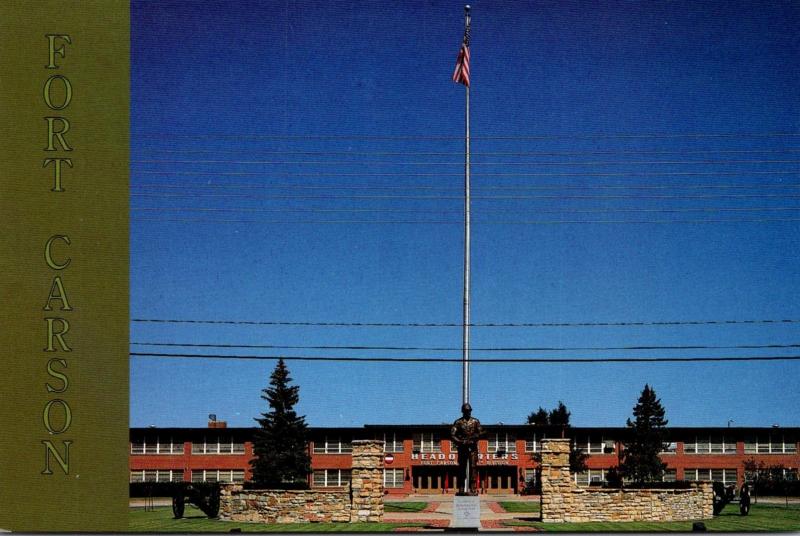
{"x": 466, "y": 512}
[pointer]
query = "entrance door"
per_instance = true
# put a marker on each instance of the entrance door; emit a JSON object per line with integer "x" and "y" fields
{"x": 433, "y": 479}
{"x": 498, "y": 479}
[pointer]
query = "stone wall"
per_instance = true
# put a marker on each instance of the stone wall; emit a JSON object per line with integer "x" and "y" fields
{"x": 563, "y": 501}
{"x": 283, "y": 506}
{"x": 361, "y": 501}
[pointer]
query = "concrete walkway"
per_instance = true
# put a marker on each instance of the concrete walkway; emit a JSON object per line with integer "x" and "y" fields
{"x": 493, "y": 515}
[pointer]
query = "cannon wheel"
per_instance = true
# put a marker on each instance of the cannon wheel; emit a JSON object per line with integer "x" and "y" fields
{"x": 178, "y": 505}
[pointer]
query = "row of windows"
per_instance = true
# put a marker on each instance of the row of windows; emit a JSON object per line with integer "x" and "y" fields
{"x": 327, "y": 478}
{"x": 157, "y": 475}
{"x": 155, "y": 446}
{"x": 332, "y": 445}
{"x": 217, "y": 475}
{"x": 498, "y": 442}
{"x": 218, "y": 446}
{"x": 769, "y": 445}
{"x": 727, "y": 476}
{"x": 198, "y": 475}
{"x": 332, "y": 478}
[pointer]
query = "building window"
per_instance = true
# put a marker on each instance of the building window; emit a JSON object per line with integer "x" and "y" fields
{"x": 392, "y": 478}
{"x": 332, "y": 445}
{"x": 670, "y": 475}
{"x": 726, "y": 476}
{"x": 669, "y": 448}
{"x": 391, "y": 443}
{"x": 595, "y": 445}
{"x": 533, "y": 443}
{"x": 156, "y": 445}
{"x": 530, "y": 476}
{"x": 769, "y": 444}
{"x": 222, "y": 445}
{"x": 502, "y": 442}
{"x": 157, "y": 475}
{"x": 217, "y": 475}
{"x": 427, "y": 442}
{"x": 331, "y": 478}
{"x": 709, "y": 445}
{"x": 590, "y": 476}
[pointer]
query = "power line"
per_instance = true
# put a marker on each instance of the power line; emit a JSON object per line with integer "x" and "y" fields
{"x": 474, "y": 324}
{"x": 456, "y": 211}
{"x": 478, "y": 360}
{"x": 458, "y": 349}
{"x": 184, "y": 186}
{"x": 321, "y": 174}
{"x": 473, "y": 153}
{"x": 460, "y": 138}
{"x": 444, "y": 222}
{"x": 527, "y": 163}
{"x": 456, "y": 197}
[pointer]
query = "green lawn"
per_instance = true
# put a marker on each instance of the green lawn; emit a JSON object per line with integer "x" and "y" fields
{"x": 767, "y": 518}
{"x": 161, "y": 520}
{"x": 520, "y": 506}
{"x": 407, "y": 506}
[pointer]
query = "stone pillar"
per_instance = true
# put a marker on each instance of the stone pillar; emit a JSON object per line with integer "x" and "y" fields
{"x": 367, "y": 481}
{"x": 557, "y": 485}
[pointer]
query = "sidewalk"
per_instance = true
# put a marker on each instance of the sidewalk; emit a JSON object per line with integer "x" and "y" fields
{"x": 492, "y": 514}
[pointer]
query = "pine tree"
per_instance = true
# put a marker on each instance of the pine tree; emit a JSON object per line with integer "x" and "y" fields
{"x": 559, "y": 417}
{"x": 539, "y": 418}
{"x": 281, "y": 444}
{"x": 640, "y": 460}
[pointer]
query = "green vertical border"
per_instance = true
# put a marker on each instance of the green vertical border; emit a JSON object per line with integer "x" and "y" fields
{"x": 93, "y": 211}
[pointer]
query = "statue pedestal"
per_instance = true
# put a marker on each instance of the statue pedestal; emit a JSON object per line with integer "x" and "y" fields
{"x": 466, "y": 512}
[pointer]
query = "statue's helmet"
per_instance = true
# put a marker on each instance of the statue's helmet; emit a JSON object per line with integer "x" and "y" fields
{"x": 466, "y": 407}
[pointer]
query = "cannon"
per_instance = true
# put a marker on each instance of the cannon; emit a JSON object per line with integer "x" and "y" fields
{"x": 204, "y": 496}
{"x": 725, "y": 495}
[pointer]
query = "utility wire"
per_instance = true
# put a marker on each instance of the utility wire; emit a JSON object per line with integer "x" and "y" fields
{"x": 456, "y": 211}
{"x": 478, "y": 359}
{"x": 473, "y": 153}
{"x": 459, "y": 138}
{"x": 204, "y": 186}
{"x": 445, "y": 222}
{"x": 474, "y": 324}
{"x": 321, "y": 174}
{"x": 528, "y": 163}
{"x": 456, "y": 197}
{"x": 458, "y": 349}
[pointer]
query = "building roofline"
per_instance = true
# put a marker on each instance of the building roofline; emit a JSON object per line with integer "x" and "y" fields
{"x": 490, "y": 426}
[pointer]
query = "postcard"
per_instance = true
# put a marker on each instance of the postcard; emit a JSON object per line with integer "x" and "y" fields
{"x": 400, "y": 267}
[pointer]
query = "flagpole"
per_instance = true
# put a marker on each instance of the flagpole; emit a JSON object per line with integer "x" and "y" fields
{"x": 465, "y": 359}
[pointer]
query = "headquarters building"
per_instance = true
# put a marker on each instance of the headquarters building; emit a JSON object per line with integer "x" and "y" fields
{"x": 419, "y": 458}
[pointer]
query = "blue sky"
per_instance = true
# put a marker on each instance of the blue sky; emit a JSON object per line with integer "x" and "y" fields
{"x": 245, "y": 114}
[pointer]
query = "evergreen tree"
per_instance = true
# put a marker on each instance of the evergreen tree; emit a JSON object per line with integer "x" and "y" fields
{"x": 281, "y": 443}
{"x": 539, "y": 418}
{"x": 640, "y": 460}
{"x": 559, "y": 417}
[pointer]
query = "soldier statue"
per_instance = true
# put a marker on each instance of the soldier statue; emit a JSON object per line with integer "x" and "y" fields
{"x": 465, "y": 434}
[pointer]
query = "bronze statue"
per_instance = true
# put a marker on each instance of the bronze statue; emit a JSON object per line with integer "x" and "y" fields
{"x": 465, "y": 434}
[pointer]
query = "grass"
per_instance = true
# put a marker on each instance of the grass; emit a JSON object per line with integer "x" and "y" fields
{"x": 407, "y": 506}
{"x": 520, "y": 506}
{"x": 765, "y": 518}
{"x": 160, "y": 520}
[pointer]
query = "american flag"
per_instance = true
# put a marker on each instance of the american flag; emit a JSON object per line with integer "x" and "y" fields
{"x": 461, "y": 72}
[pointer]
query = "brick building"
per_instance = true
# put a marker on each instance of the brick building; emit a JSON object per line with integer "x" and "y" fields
{"x": 419, "y": 458}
